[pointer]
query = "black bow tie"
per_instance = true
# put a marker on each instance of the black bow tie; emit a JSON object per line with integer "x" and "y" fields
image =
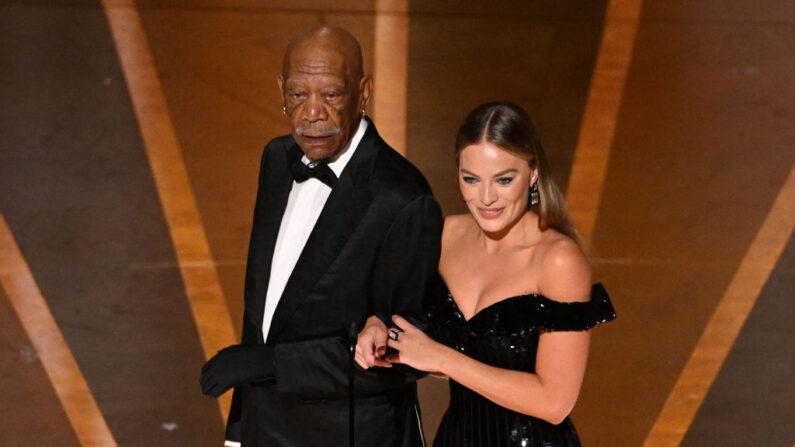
{"x": 320, "y": 171}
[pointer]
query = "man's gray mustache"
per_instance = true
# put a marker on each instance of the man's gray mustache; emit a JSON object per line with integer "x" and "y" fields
{"x": 317, "y": 131}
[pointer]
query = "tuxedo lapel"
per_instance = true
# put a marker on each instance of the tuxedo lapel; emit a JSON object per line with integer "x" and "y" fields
{"x": 274, "y": 192}
{"x": 345, "y": 207}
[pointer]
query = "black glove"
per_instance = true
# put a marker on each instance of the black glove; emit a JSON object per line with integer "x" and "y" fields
{"x": 235, "y": 365}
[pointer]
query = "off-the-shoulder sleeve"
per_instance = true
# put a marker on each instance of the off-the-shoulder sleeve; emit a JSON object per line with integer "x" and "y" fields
{"x": 576, "y": 316}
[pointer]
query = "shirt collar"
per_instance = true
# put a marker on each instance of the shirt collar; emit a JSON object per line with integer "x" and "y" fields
{"x": 339, "y": 164}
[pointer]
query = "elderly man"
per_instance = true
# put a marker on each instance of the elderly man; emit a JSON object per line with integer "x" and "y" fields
{"x": 344, "y": 227}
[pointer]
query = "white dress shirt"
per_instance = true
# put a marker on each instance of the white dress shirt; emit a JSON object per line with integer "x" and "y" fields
{"x": 304, "y": 205}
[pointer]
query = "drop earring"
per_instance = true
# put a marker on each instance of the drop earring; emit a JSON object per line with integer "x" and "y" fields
{"x": 535, "y": 197}
{"x": 284, "y": 110}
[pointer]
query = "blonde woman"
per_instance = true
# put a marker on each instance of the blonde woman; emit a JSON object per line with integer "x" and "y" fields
{"x": 511, "y": 326}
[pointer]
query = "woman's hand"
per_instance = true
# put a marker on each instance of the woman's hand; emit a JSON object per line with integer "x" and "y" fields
{"x": 414, "y": 347}
{"x": 371, "y": 344}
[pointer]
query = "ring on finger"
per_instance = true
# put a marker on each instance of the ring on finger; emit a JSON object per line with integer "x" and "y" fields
{"x": 393, "y": 334}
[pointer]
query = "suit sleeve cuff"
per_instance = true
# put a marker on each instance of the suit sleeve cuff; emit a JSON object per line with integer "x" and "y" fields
{"x": 231, "y": 444}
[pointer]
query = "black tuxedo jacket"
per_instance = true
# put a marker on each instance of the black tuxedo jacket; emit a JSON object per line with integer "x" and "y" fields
{"x": 373, "y": 251}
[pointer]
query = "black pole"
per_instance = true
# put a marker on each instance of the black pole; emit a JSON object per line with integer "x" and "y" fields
{"x": 352, "y": 338}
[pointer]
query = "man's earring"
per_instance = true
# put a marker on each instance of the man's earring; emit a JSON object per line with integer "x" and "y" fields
{"x": 284, "y": 110}
{"x": 535, "y": 197}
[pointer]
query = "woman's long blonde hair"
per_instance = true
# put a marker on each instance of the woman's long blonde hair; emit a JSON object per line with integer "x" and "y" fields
{"x": 507, "y": 126}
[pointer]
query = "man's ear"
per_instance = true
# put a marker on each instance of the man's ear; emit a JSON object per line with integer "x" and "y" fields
{"x": 366, "y": 89}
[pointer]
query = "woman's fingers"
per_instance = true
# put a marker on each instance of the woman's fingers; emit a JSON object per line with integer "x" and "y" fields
{"x": 361, "y": 350}
{"x": 365, "y": 364}
{"x": 368, "y": 353}
{"x": 360, "y": 360}
{"x": 414, "y": 347}
{"x": 382, "y": 363}
{"x": 402, "y": 323}
{"x": 372, "y": 340}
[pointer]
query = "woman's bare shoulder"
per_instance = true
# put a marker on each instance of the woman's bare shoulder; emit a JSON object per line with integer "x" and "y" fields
{"x": 564, "y": 270}
{"x": 456, "y": 225}
{"x": 456, "y": 230}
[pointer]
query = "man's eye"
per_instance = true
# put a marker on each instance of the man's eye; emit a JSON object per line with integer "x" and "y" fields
{"x": 297, "y": 95}
{"x": 504, "y": 180}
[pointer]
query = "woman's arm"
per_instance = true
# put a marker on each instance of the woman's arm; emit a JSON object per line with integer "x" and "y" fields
{"x": 550, "y": 393}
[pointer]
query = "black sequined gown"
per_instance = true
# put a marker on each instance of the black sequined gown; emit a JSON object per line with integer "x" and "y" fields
{"x": 505, "y": 335}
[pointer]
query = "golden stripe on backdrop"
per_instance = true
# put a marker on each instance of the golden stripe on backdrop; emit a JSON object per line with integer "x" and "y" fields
{"x": 56, "y": 358}
{"x": 726, "y": 322}
{"x": 197, "y": 268}
{"x": 391, "y": 71}
{"x": 598, "y": 126}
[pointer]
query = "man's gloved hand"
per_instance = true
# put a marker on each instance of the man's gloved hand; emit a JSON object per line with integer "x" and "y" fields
{"x": 235, "y": 365}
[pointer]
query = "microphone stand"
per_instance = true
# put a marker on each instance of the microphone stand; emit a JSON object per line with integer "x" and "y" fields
{"x": 352, "y": 339}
